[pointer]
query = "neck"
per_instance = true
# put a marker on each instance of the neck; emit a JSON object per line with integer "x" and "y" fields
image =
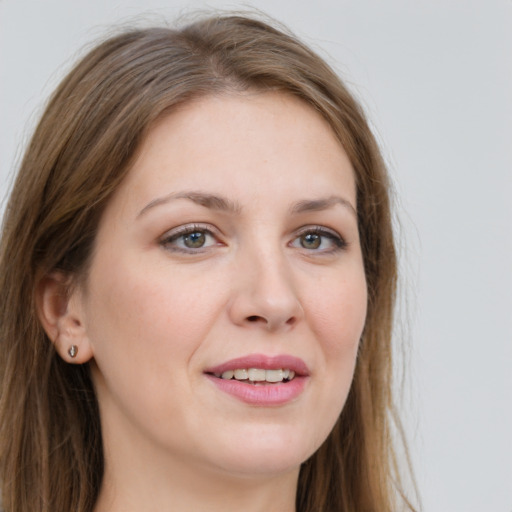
{"x": 184, "y": 488}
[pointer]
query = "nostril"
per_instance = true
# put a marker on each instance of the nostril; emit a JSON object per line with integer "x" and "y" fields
{"x": 257, "y": 318}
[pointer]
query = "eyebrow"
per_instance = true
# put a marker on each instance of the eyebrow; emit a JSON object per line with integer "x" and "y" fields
{"x": 211, "y": 201}
{"x": 315, "y": 205}
{"x": 216, "y": 202}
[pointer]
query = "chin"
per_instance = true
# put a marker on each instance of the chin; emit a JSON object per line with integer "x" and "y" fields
{"x": 268, "y": 450}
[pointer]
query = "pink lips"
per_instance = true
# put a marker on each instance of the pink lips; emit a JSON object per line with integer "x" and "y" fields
{"x": 262, "y": 394}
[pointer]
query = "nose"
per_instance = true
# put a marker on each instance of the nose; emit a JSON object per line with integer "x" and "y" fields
{"x": 265, "y": 294}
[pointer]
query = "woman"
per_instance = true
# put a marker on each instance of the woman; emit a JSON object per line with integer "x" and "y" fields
{"x": 198, "y": 277}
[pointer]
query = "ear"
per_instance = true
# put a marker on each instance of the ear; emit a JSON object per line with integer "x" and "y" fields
{"x": 60, "y": 311}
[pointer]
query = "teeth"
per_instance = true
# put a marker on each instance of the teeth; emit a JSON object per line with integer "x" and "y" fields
{"x": 241, "y": 375}
{"x": 258, "y": 375}
{"x": 274, "y": 375}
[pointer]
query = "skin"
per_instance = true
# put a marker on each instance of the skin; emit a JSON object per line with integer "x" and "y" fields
{"x": 154, "y": 313}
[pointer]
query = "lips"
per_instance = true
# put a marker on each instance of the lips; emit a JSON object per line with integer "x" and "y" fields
{"x": 255, "y": 375}
{"x": 261, "y": 380}
{"x": 260, "y": 361}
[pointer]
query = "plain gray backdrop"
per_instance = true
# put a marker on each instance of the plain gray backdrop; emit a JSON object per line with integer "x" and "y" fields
{"x": 435, "y": 78}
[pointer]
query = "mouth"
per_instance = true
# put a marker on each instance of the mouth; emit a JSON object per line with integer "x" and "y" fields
{"x": 257, "y": 376}
{"x": 261, "y": 380}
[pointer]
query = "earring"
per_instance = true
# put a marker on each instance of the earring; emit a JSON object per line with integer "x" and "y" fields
{"x": 73, "y": 351}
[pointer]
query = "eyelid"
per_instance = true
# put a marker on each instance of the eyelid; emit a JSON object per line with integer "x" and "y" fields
{"x": 317, "y": 228}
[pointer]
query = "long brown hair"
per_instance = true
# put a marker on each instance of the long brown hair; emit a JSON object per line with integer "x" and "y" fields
{"x": 51, "y": 454}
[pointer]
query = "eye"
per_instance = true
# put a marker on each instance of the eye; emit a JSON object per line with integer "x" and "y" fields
{"x": 195, "y": 240}
{"x": 189, "y": 239}
{"x": 311, "y": 240}
{"x": 319, "y": 239}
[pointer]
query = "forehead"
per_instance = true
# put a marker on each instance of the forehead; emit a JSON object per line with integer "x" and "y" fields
{"x": 248, "y": 145}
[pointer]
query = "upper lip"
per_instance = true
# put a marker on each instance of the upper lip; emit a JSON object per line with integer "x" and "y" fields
{"x": 283, "y": 361}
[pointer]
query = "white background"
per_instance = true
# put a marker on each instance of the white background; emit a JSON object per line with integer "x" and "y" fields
{"x": 436, "y": 80}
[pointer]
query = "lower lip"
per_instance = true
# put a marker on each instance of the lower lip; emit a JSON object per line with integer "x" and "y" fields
{"x": 262, "y": 395}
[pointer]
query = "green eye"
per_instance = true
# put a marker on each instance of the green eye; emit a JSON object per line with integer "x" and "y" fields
{"x": 194, "y": 240}
{"x": 189, "y": 239}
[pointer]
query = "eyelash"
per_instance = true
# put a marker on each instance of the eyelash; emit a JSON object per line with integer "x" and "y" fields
{"x": 337, "y": 240}
{"x": 170, "y": 239}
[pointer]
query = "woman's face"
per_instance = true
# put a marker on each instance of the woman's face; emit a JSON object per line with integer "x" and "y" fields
{"x": 230, "y": 254}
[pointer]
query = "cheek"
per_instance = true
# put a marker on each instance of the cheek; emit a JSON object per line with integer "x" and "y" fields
{"x": 337, "y": 317}
{"x": 144, "y": 325}
{"x": 145, "y": 328}
{"x": 338, "y": 314}
{"x": 150, "y": 304}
